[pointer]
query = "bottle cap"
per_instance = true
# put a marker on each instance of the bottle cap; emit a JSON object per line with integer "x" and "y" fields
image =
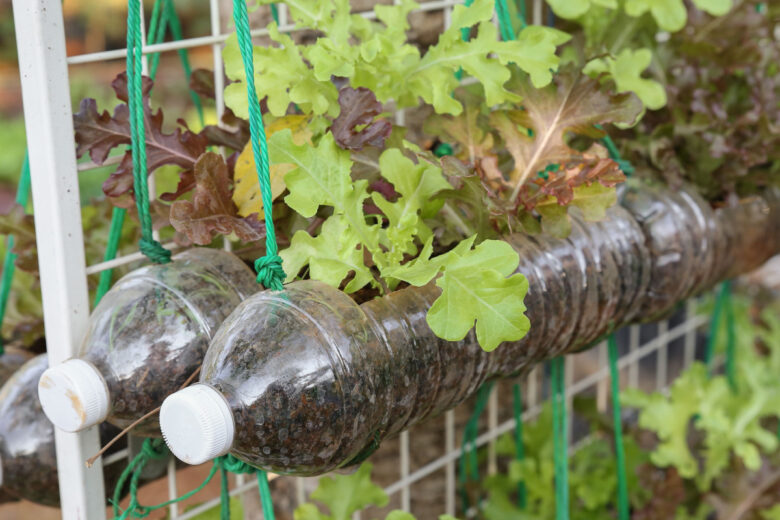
{"x": 197, "y": 424}
{"x": 73, "y": 395}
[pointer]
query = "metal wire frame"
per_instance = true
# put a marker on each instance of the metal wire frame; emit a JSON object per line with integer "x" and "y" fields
{"x": 406, "y": 479}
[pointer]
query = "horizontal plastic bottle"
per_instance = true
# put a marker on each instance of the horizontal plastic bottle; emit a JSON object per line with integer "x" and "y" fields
{"x": 685, "y": 241}
{"x": 28, "y": 461}
{"x": 146, "y": 337}
{"x": 302, "y": 381}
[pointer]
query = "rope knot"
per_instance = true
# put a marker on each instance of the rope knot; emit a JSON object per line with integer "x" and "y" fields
{"x": 154, "y": 449}
{"x": 270, "y": 272}
{"x": 233, "y": 465}
{"x": 154, "y": 251}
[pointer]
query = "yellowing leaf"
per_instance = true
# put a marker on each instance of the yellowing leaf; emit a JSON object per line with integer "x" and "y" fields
{"x": 576, "y": 105}
{"x": 246, "y": 189}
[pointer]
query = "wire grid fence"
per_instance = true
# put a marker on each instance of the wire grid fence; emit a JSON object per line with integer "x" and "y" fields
{"x": 644, "y": 349}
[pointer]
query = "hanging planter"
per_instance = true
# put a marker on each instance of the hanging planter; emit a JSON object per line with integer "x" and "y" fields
{"x": 305, "y": 381}
{"x": 146, "y": 338}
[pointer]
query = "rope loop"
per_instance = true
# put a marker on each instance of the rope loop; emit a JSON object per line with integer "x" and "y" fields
{"x": 154, "y": 450}
{"x": 233, "y": 465}
{"x": 270, "y": 272}
{"x": 154, "y": 250}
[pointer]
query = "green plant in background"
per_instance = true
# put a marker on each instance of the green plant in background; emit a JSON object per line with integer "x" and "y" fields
{"x": 344, "y": 495}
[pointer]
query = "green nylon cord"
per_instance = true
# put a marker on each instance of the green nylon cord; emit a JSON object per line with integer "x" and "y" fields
{"x": 156, "y": 34}
{"x": 176, "y": 32}
{"x": 519, "y": 445}
{"x": 468, "y": 464}
{"x": 614, "y": 375}
{"x": 560, "y": 439}
{"x": 9, "y": 266}
{"x": 521, "y": 13}
{"x": 504, "y": 21}
{"x": 723, "y": 306}
{"x": 148, "y": 245}
{"x": 155, "y": 449}
{"x": 269, "y": 267}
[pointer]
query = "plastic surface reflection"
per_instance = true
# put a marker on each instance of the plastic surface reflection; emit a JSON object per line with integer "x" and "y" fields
{"x": 150, "y": 331}
{"x": 27, "y": 455}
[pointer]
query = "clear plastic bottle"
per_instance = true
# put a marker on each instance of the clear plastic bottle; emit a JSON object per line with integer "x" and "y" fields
{"x": 146, "y": 337}
{"x": 752, "y": 230}
{"x": 684, "y": 240}
{"x": 28, "y": 462}
{"x": 10, "y": 361}
{"x": 302, "y": 381}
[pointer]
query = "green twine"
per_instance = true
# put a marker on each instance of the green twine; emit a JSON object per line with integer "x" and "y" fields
{"x": 269, "y": 267}
{"x": 176, "y": 32}
{"x": 723, "y": 305}
{"x": 114, "y": 234}
{"x": 468, "y": 465}
{"x": 155, "y": 449}
{"x": 504, "y": 21}
{"x": 156, "y": 34}
{"x": 614, "y": 375}
{"x": 560, "y": 439}
{"x": 9, "y": 265}
{"x": 519, "y": 445}
{"x": 148, "y": 245}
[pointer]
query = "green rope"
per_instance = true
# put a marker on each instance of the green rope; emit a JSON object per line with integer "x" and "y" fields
{"x": 155, "y": 449}
{"x": 504, "y": 21}
{"x": 521, "y": 13}
{"x": 614, "y": 375}
{"x": 114, "y": 234}
{"x": 269, "y": 267}
{"x": 468, "y": 464}
{"x": 560, "y": 439}
{"x": 148, "y": 245}
{"x": 519, "y": 445}
{"x": 723, "y": 306}
{"x": 176, "y": 32}
{"x": 156, "y": 34}
{"x": 9, "y": 265}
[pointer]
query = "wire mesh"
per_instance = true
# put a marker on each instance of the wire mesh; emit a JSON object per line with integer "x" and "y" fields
{"x": 641, "y": 346}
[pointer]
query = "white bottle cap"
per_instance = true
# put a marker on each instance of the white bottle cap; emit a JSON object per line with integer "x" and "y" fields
{"x": 73, "y": 395}
{"x": 197, "y": 424}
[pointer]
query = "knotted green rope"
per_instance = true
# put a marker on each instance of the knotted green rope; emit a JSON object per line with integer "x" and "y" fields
{"x": 560, "y": 438}
{"x": 148, "y": 245}
{"x": 519, "y": 445}
{"x": 269, "y": 267}
{"x": 620, "y": 454}
{"x": 155, "y": 449}
{"x": 9, "y": 265}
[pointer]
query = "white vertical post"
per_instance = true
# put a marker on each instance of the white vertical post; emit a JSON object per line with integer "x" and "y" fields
{"x": 55, "y": 190}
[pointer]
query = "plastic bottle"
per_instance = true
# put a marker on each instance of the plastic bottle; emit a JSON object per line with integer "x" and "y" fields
{"x": 28, "y": 462}
{"x": 10, "y": 361}
{"x": 685, "y": 242}
{"x": 305, "y": 380}
{"x": 146, "y": 337}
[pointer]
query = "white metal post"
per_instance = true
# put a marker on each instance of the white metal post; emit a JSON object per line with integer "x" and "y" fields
{"x": 55, "y": 190}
